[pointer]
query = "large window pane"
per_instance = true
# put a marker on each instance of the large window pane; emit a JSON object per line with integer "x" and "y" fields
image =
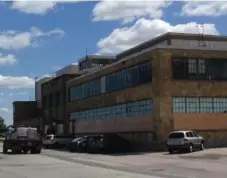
{"x": 206, "y": 105}
{"x": 192, "y": 105}
{"x": 120, "y": 111}
{"x": 179, "y": 105}
{"x": 192, "y": 67}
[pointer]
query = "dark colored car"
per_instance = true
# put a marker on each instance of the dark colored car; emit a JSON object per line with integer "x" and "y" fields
{"x": 108, "y": 143}
{"x": 78, "y": 144}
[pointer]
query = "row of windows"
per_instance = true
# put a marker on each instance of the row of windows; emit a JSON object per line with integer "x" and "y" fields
{"x": 129, "y": 77}
{"x": 54, "y": 99}
{"x": 132, "y": 76}
{"x": 197, "y": 68}
{"x": 85, "y": 90}
{"x": 199, "y": 104}
{"x": 132, "y": 109}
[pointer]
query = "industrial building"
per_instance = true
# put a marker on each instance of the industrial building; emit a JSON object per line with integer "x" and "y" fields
{"x": 54, "y": 92}
{"x": 172, "y": 82}
{"x": 53, "y": 103}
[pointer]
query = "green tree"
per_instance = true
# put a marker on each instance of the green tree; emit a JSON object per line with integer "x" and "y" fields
{"x": 2, "y": 126}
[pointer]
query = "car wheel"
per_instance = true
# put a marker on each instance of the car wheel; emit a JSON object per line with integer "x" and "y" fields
{"x": 202, "y": 146}
{"x": 190, "y": 148}
{"x": 170, "y": 151}
{"x": 5, "y": 150}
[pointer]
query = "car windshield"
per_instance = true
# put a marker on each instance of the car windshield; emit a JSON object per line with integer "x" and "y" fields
{"x": 48, "y": 137}
{"x": 176, "y": 135}
{"x": 77, "y": 139}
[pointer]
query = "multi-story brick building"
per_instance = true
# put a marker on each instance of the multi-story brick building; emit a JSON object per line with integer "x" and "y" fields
{"x": 26, "y": 113}
{"x": 54, "y": 103}
{"x": 175, "y": 81}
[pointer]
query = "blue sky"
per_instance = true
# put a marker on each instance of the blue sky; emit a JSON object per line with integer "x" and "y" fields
{"x": 37, "y": 38}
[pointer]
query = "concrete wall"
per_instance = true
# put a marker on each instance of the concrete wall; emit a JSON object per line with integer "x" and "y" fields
{"x": 38, "y": 95}
{"x": 56, "y": 114}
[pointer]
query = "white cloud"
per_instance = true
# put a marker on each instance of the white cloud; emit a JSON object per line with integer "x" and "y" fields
{"x": 207, "y": 8}
{"x": 143, "y": 30}
{"x": 14, "y": 82}
{"x": 7, "y": 59}
{"x": 18, "y": 93}
{"x": 15, "y": 40}
{"x": 4, "y": 110}
{"x": 128, "y": 10}
{"x": 34, "y": 7}
{"x": 46, "y": 75}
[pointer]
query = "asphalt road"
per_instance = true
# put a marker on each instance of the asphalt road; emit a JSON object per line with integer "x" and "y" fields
{"x": 58, "y": 164}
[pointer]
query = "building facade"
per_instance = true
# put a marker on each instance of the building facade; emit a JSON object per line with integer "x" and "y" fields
{"x": 173, "y": 82}
{"x": 54, "y": 104}
{"x": 93, "y": 62}
{"x": 26, "y": 113}
{"x": 38, "y": 95}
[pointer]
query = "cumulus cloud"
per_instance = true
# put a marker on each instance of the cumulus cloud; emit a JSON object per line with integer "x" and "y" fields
{"x": 204, "y": 8}
{"x": 4, "y": 110}
{"x": 143, "y": 30}
{"x": 14, "y": 82}
{"x": 9, "y": 59}
{"x": 34, "y": 7}
{"x": 14, "y": 40}
{"x": 128, "y": 10}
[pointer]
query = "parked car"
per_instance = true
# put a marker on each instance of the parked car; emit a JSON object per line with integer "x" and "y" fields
{"x": 82, "y": 145}
{"x": 75, "y": 143}
{"x": 95, "y": 143}
{"x": 108, "y": 143}
{"x": 48, "y": 141}
{"x": 57, "y": 141}
{"x": 186, "y": 140}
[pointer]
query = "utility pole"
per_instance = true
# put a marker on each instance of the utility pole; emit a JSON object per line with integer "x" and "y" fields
{"x": 35, "y": 79}
{"x": 201, "y": 42}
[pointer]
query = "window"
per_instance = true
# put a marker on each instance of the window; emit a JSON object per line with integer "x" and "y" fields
{"x": 132, "y": 109}
{"x": 220, "y": 105}
{"x": 179, "y": 69}
{"x": 206, "y": 105}
{"x": 192, "y": 67}
{"x": 201, "y": 66}
{"x": 58, "y": 98}
{"x": 199, "y": 69}
{"x": 129, "y": 77}
{"x": 132, "y": 76}
{"x": 199, "y": 104}
{"x": 195, "y": 134}
{"x": 179, "y": 105}
{"x": 192, "y": 105}
{"x": 85, "y": 90}
{"x": 176, "y": 135}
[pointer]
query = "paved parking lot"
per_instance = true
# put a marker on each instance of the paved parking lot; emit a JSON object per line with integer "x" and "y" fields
{"x": 209, "y": 163}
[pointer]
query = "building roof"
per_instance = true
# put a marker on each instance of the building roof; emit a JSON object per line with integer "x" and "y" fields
{"x": 167, "y": 36}
{"x": 60, "y": 76}
{"x": 96, "y": 57}
{"x": 14, "y": 102}
{"x": 154, "y": 41}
